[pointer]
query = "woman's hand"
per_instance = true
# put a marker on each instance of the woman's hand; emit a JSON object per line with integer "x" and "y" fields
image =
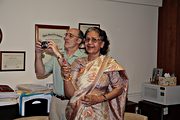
{"x": 92, "y": 99}
{"x": 65, "y": 69}
{"x": 75, "y": 105}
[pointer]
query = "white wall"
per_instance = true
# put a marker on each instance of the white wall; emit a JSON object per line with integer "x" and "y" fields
{"x": 132, "y": 30}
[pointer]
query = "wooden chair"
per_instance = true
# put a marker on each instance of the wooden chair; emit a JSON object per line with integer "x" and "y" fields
{"x": 33, "y": 118}
{"x": 134, "y": 116}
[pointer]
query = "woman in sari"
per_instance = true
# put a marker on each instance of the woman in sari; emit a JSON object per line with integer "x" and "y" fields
{"x": 96, "y": 85}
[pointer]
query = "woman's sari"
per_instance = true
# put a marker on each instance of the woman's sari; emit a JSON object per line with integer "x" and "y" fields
{"x": 97, "y": 77}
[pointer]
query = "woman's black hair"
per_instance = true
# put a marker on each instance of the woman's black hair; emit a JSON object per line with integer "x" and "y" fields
{"x": 103, "y": 37}
{"x": 81, "y": 34}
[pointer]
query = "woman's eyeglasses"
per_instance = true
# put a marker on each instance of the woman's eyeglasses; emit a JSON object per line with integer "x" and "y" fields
{"x": 93, "y": 40}
{"x": 70, "y": 35}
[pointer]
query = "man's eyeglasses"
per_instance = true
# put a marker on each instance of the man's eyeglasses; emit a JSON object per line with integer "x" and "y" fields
{"x": 94, "y": 40}
{"x": 70, "y": 35}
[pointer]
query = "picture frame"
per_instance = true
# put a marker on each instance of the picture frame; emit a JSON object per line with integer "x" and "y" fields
{"x": 12, "y": 60}
{"x": 157, "y": 72}
{"x": 50, "y": 32}
{"x": 84, "y": 26}
{"x": 1, "y": 35}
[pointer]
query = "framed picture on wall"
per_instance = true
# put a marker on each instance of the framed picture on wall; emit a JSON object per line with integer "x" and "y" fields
{"x": 84, "y": 26}
{"x": 12, "y": 60}
{"x": 1, "y": 35}
{"x": 50, "y": 32}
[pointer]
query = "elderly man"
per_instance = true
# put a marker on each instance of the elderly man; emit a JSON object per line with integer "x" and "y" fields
{"x": 71, "y": 51}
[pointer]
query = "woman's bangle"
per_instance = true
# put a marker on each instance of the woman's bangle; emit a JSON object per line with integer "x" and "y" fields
{"x": 105, "y": 98}
{"x": 68, "y": 79}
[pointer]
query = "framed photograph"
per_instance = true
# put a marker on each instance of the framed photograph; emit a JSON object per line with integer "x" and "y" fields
{"x": 50, "y": 32}
{"x": 12, "y": 60}
{"x": 1, "y": 35}
{"x": 157, "y": 72}
{"x": 84, "y": 26}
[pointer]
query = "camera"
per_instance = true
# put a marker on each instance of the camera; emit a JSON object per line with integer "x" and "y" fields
{"x": 44, "y": 44}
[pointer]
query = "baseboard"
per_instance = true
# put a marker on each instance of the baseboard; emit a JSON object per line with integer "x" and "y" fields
{"x": 135, "y": 97}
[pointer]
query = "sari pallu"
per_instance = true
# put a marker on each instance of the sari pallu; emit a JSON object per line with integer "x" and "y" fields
{"x": 88, "y": 81}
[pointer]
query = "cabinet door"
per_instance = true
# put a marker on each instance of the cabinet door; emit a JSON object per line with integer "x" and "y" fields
{"x": 152, "y": 111}
{"x": 9, "y": 112}
{"x": 131, "y": 107}
{"x": 156, "y": 111}
{"x": 168, "y": 54}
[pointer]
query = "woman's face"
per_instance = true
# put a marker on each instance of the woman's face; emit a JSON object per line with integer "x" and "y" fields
{"x": 93, "y": 43}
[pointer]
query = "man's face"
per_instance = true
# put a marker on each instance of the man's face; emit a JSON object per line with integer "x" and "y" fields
{"x": 72, "y": 39}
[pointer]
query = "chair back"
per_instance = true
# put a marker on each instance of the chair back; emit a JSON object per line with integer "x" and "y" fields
{"x": 134, "y": 116}
{"x": 33, "y": 118}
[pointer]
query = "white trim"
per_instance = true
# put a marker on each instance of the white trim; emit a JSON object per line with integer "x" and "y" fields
{"x": 135, "y": 97}
{"x": 156, "y": 3}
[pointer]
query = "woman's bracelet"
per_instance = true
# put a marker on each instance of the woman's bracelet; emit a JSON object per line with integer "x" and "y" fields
{"x": 105, "y": 98}
{"x": 68, "y": 79}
